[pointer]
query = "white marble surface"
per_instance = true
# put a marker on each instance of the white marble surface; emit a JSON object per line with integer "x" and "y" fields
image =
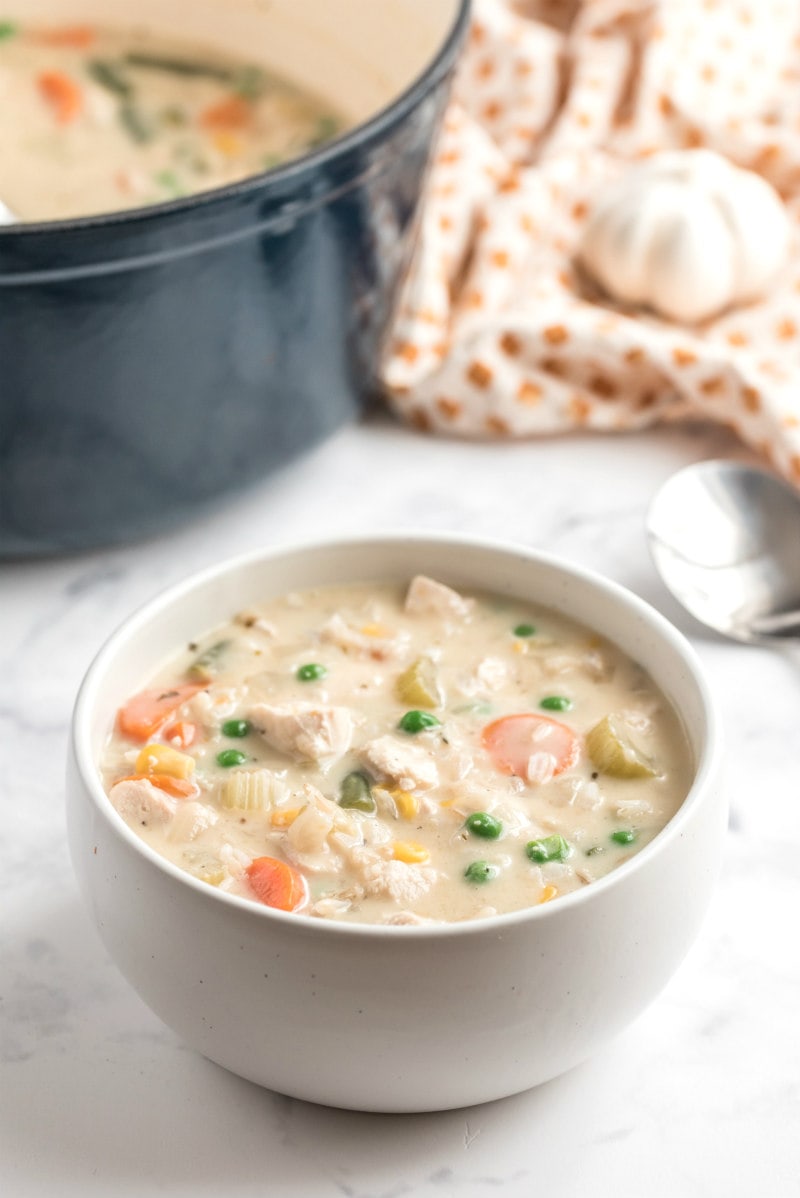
{"x": 700, "y": 1097}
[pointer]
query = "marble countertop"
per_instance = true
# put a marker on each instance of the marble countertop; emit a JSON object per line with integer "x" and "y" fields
{"x": 701, "y": 1096}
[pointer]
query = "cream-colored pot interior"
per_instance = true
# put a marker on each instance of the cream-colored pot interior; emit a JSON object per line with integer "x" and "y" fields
{"x": 357, "y": 54}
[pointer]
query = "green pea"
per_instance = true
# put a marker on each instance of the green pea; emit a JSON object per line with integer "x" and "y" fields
{"x": 237, "y": 728}
{"x": 356, "y": 792}
{"x": 231, "y": 757}
{"x": 480, "y": 823}
{"x": 311, "y": 672}
{"x": 556, "y": 703}
{"x": 550, "y": 848}
{"x": 416, "y": 721}
{"x": 623, "y": 836}
{"x": 480, "y": 872}
{"x": 525, "y": 630}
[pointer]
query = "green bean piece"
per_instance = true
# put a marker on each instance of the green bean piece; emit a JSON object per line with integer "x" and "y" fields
{"x": 135, "y": 124}
{"x": 356, "y": 792}
{"x": 480, "y": 872}
{"x": 206, "y": 666}
{"x": 249, "y": 82}
{"x": 549, "y": 848}
{"x": 8, "y": 29}
{"x": 237, "y": 728}
{"x": 327, "y": 128}
{"x": 481, "y": 823}
{"x": 179, "y": 66}
{"x": 109, "y": 76}
{"x": 416, "y": 721}
{"x": 311, "y": 672}
{"x": 174, "y": 116}
{"x": 170, "y": 182}
{"x": 624, "y": 836}
{"x": 525, "y": 630}
{"x": 231, "y": 757}
{"x": 556, "y": 703}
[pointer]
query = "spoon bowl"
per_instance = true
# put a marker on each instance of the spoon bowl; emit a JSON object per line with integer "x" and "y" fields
{"x": 725, "y": 539}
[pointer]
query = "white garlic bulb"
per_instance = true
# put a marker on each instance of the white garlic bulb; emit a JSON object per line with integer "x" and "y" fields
{"x": 686, "y": 233}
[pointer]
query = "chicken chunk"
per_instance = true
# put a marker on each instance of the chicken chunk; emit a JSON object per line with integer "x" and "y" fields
{"x": 375, "y": 643}
{"x": 425, "y": 596}
{"x": 139, "y": 802}
{"x": 409, "y": 766}
{"x": 191, "y": 820}
{"x": 396, "y": 880}
{"x": 304, "y": 731}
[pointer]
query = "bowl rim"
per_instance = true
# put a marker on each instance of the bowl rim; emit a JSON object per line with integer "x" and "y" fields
{"x": 707, "y": 766}
{"x": 305, "y": 164}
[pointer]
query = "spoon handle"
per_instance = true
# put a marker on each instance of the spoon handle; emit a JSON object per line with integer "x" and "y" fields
{"x": 782, "y": 623}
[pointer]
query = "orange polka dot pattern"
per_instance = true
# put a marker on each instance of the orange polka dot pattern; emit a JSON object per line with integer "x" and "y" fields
{"x": 497, "y": 333}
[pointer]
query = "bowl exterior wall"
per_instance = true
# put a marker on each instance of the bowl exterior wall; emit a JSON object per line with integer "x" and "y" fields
{"x": 396, "y": 1023}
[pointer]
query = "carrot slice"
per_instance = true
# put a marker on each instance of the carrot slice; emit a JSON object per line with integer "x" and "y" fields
{"x": 62, "y": 94}
{"x": 179, "y": 788}
{"x": 180, "y": 733}
{"x": 277, "y": 884}
{"x": 143, "y": 715}
{"x": 231, "y": 113}
{"x": 513, "y": 740}
{"x": 76, "y": 36}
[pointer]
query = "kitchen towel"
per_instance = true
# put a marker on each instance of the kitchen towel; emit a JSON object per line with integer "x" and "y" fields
{"x": 499, "y": 333}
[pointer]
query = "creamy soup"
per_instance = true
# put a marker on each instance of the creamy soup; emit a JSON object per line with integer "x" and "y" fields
{"x": 398, "y": 755}
{"x": 96, "y": 120}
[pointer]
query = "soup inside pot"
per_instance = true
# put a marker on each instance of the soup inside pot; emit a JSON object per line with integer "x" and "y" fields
{"x": 98, "y": 119}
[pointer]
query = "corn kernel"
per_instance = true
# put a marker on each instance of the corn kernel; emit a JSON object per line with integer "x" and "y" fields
{"x": 548, "y": 893}
{"x": 520, "y": 647}
{"x": 227, "y": 143}
{"x": 410, "y": 851}
{"x": 374, "y": 630}
{"x": 284, "y": 817}
{"x": 407, "y": 804}
{"x": 161, "y": 759}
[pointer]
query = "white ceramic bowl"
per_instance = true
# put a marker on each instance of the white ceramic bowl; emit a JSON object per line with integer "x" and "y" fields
{"x": 398, "y": 1018}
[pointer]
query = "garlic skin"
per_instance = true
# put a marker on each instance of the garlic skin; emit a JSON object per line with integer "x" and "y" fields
{"x": 686, "y": 233}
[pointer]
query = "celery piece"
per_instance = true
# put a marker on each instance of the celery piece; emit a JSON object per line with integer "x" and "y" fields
{"x": 419, "y": 684}
{"x": 613, "y": 751}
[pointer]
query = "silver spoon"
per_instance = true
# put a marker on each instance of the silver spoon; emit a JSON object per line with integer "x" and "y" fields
{"x": 725, "y": 539}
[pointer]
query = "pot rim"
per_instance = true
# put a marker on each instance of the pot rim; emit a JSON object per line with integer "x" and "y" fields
{"x": 707, "y": 766}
